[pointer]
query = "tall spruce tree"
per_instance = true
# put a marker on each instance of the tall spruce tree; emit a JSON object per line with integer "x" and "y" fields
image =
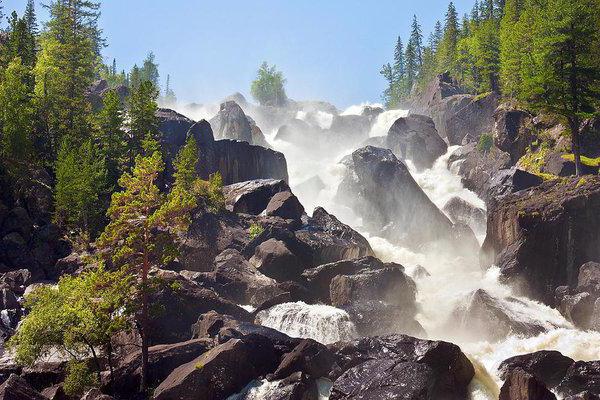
{"x": 447, "y": 49}
{"x": 111, "y": 136}
{"x": 563, "y": 76}
{"x": 512, "y": 46}
{"x": 143, "y": 123}
{"x": 416, "y": 39}
{"x": 149, "y": 71}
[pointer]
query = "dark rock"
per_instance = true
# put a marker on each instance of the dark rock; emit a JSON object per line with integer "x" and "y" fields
{"x": 55, "y": 392}
{"x": 578, "y": 308}
{"x": 415, "y": 138}
{"x": 173, "y": 127}
{"x": 67, "y": 265}
{"x": 252, "y": 197}
{"x": 513, "y": 131}
{"x": 512, "y": 180}
{"x": 539, "y": 238}
{"x": 275, "y": 260}
{"x": 589, "y": 275}
{"x": 18, "y": 221}
{"x": 210, "y": 375}
{"x": 162, "y": 360}
{"x": 16, "y": 388}
{"x": 310, "y": 357}
{"x": 297, "y": 386}
{"x": 96, "y": 394}
{"x": 556, "y": 164}
{"x": 519, "y": 385}
{"x": 231, "y": 123}
{"x": 17, "y": 253}
{"x": 8, "y": 300}
{"x": 549, "y": 367}
{"x": 437, "y": 370}
{"x": 492, "y": 318}
{"x": 581, "y": 376}
{"x": 380, "y": 188}
{"x": 330, "y": 240}
{"x": 373, "y": 317}
{"x": 182, "y": 302}
{"x": 474, "y": 118}
{"x": 285, "y": 205}
{"x": 16, "y": 280}
{"x": 44, "y": 374}
{"x": 459, "y": 210}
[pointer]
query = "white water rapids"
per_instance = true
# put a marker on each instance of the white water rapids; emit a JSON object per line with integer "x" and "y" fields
{"x": 452, "y": 276}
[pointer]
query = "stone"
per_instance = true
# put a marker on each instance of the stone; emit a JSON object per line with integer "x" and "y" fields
{"x": 285, "y": 205}
{"x": 231, "y": 123}
{"x": 273, "y": 259}
{"x": 513, "y": 131}
{"x": 582, "y": 376}
{"x": 519, "y": 385}
{"x": 309, "y": 357}
{"x": 459, "y": 210}
{"x": 474, "y": 118}
{"x": 16, "y": 388}
{"x": 548, "y": 366}
{"x": 589, "y": 275}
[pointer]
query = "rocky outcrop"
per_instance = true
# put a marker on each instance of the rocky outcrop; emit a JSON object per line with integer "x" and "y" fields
{"x": 380, "y": 189}
{"x": 539, "y": 237}
{"x": 285, "y": 205}
{"x": 582, "y": 376}
{"x": 399, "y": 366}
{"x": 549, "y": 367}
{"x": 16, "y": 388}
{"x": 580, "y": 304}
{"x": 461, "y": 211}
{"x": 520, "y": 385}
{"x": 474, "y": 118}
{"x": 513, "y": 131}
{"x": 415, "y": 138}
{"x": 511, "y": 180}
{"x": 274, "y": 259}
{"x": 236, "y": 161}
{"x": 231, "y": 123}
{"x": 96, "y": 92}
{"x": 252, "y": 197}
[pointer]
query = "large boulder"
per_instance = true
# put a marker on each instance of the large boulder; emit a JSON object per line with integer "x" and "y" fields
{"x": 582, "y": 376}
{"x": 539, "y": 237}
{"x": 513, "y": 131}
{"x": 309, "y": 357}
{"x": 252, "y": 197}
{"x": 461, "y": 211}
{"x": 16, "y": 388}
{"x": 285, "y": 205}
{"x": 520, "y": 385}
{"x": 511, "y": 180}
{"x": 381, "y": 190}
{"x": 415, "y": 138}
{"x": 275, "y": 260}
{"x": 231, "y": 123}
{"x": 581, "y": 304}
{"x": 474, "y": 118}
{"x": 174, "y": 128}
{"x": 400, "y": 366}
{"x": 549, "y": 367}
{"x": 300, "y": 133}
{"x": 220, "y": 372}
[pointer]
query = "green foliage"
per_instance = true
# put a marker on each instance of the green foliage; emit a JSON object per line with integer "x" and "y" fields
{"x": 268, "y": 87}
{"x": 485, "y": 143}
{"x": 21, "y": 41}
{"x": 111, "y": 137}
{"x": 79, "y": 378}
{"x": 16, "y": 117}
{"x": 149, "y": 71}
{"x": 255, "y": 230}
{"x": 78, "y": 317}
{"x": 185, "y": 165}
{"x": 588, "y": 161}
{"x": 143, "y": 123}
{"x": 211, "y": 192}
{"x": 81, "y": 181}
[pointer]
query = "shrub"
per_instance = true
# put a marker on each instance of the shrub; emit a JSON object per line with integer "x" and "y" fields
{"x": 79, "y": 378}
{"x": 486, "y": 141}
{"x": 255, "y": 230}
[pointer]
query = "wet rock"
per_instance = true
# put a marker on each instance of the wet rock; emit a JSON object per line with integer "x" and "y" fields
{"x": 55, "y": 392}
{"x": 44, "y": 374}
{"x": 17, "y": 253}
{"x": 512, "y": 180}
{"x": 582, "y": 376}
{"x": 96, "y": 394}
{"x": 275, "y": 260}
{"x": 285, "y": 205}
{"x": 415, "y": 138}
{"x": 578, "y": 308}
{"x": 16, "y": 388}
{"x": 432, "y": 369}
{"x": 373, "y": 317}
{"x": 162, "y": 360}
{"x": 281, "y": 292}
{"x": 8, "y": 300}
{"x": 460, "y": 210}
{"x": 493, "y": 318}
{"x": 16, "y": 280}
{"x": 380, "y": 188}
{"x": 209, "y": 376}
{"x": 549, "y": 367}
{"x": 539, "y": 237}
{"x": 474, "y": 118}
{"x": 309, "y": 357}
{"x": 330, "y": 240}
{"x": 589, "y": 275}
{"x": 519, "y": 385}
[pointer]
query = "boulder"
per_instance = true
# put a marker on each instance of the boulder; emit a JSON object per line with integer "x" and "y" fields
{"x": 578, "y": 308}
{"x": 16, "y": 252}
{"x": 589, "y": 275}
{"x": 231, "y": 123}
{"x": 309, "y": 357}
{"x": 520, "y": 385}
{"x": 513, "y": 131}
{"x": 16, "y": 280}
{"x": 549, "y": 367}
{"x": 275, "y": 260}
{"x": 380, "y": 189}
{"x": 507, "y": 181}
{"x": 474, "y": 118}
{"x": 17, "y": 221}
{"x": 285, "y": 205}
{"x": 96, "y": 394}
{"x": 300, "y": 133}
{"x": 330, "y": 240}
{"x": 539, "y": 237}
{"x": 492, "y": 318}
{"x": 297, "y": 386}
{"x": 252, "y": 197}
{"x": 415, "y": 138}
{"x": 310, "y": 187}
{"x": 349, "y": 129}
{"x": 374, "y": 317}
{"x": 44, "y": 374}
{"x": 16, "y": 388}
{"x": 459, "y": 210}
{"x": 210, "y": 376}
{"x": 397, "y": 365}
{"x": 582, "y": 376}
{"x": 173, "y": 128}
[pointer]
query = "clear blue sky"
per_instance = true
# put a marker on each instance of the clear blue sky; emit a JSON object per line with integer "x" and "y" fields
{"x": 328, "y": 50}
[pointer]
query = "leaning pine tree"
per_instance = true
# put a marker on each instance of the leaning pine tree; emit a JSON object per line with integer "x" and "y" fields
{"x": 141, "y": 232}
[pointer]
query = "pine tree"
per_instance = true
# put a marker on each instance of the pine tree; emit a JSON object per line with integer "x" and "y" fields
{"x": 512, "y": 46}
{"x": 475, "y": 13}
{"x": 170, "y": 99}
{"x": 111, "y": 136}
{"x": 563, "y": 76}
{"x": 16, "y": 118}
{"x": 416, "y": 39}
{"x": 388, "y": 94}
{"x": 21, "y": 42}
{"x": 412, "y": 65}
{"x": 31, "y": 18}
{"x": 436, "y": 37}
{"x": 487, "y": 55}
{"x": 141, "y": 234}
{"x": 134, "y": 78}
{"x": 143, "y": 123}
{"x": 149, "y": 71}
{"x": 65, "y": 70}
{"x": 447, "y": 49}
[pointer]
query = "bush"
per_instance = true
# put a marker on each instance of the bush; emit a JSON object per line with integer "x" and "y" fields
{"x": 486, "y": 141}
{"x": 255, "y": 230}
{"x": 79, "y": 378}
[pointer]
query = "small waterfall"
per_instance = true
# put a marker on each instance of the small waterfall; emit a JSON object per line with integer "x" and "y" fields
{"x": 384, "y": 122}
{"x": 258, "y": 390}
{"x": 325, "y": 324}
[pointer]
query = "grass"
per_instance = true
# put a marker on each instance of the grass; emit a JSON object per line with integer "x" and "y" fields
{"x": 533, "y": 161}
{"x": 587, "y": 161}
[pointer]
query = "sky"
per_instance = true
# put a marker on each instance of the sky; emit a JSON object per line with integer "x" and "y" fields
{"x": 328, "y": 50}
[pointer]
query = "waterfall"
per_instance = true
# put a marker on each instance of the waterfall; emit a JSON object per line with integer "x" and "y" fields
{"x": 384, "y": 122}
{"x": 320, "y": 322}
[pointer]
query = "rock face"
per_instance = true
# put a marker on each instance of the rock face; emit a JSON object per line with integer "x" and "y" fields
{"x": 210, "y": 375}
{"x": 399, "y": 366}
{"x": 236, "y": 161}
{"x": 231, "y": 123}
{"x": 512, "y": 131}
{"x": 285, "y": 205}
{"x": 582, "y": 376}
{"x": 540, "y": 237}
{"x": 519, "y": 385}
{"x": 511, "y": 180}
{"x": 460, "y": 210}
{"x": 252, "y": 197}
{"x": 415, "y": 138}
{"x": 15, "y": 388}
{"x": 474, "y": 118}
{"x": 549, "y": 367}
{"x": 380, "y": 189}
{"x": 580, "y": 304}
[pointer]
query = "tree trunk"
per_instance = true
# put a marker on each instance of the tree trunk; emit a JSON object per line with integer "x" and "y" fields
{"x": 144, "y": 321}
{"x": 575, "y": 147}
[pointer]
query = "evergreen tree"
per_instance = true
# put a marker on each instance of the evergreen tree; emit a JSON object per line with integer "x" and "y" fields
{"x": 412, "y": 65}
{"x": 111, "y": 136}
{"x": 512, "y": 45}
{"x": 447, "y": 48}
{"x": 135, "y": 78}
{"x": 563, "y": 76}
{"x": 487, "y": 55}
{"x": 416, "y": 39}
{"x": 143, "y": 123}
{"x": 141, "y": 234}
{"x": 170, "y": 99}
{"x": 21, "y": 42}
{"x": 65, "y": 70}
{"x": 388, "y": 94}
{"x": 149, "y": 71}
{"x": 16, "y": 118}
{"x": 80, "y": 185}
{"x": 436, "y": 37}
{"x": 269, "y": 86}
{"x": 475, "y": 13}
